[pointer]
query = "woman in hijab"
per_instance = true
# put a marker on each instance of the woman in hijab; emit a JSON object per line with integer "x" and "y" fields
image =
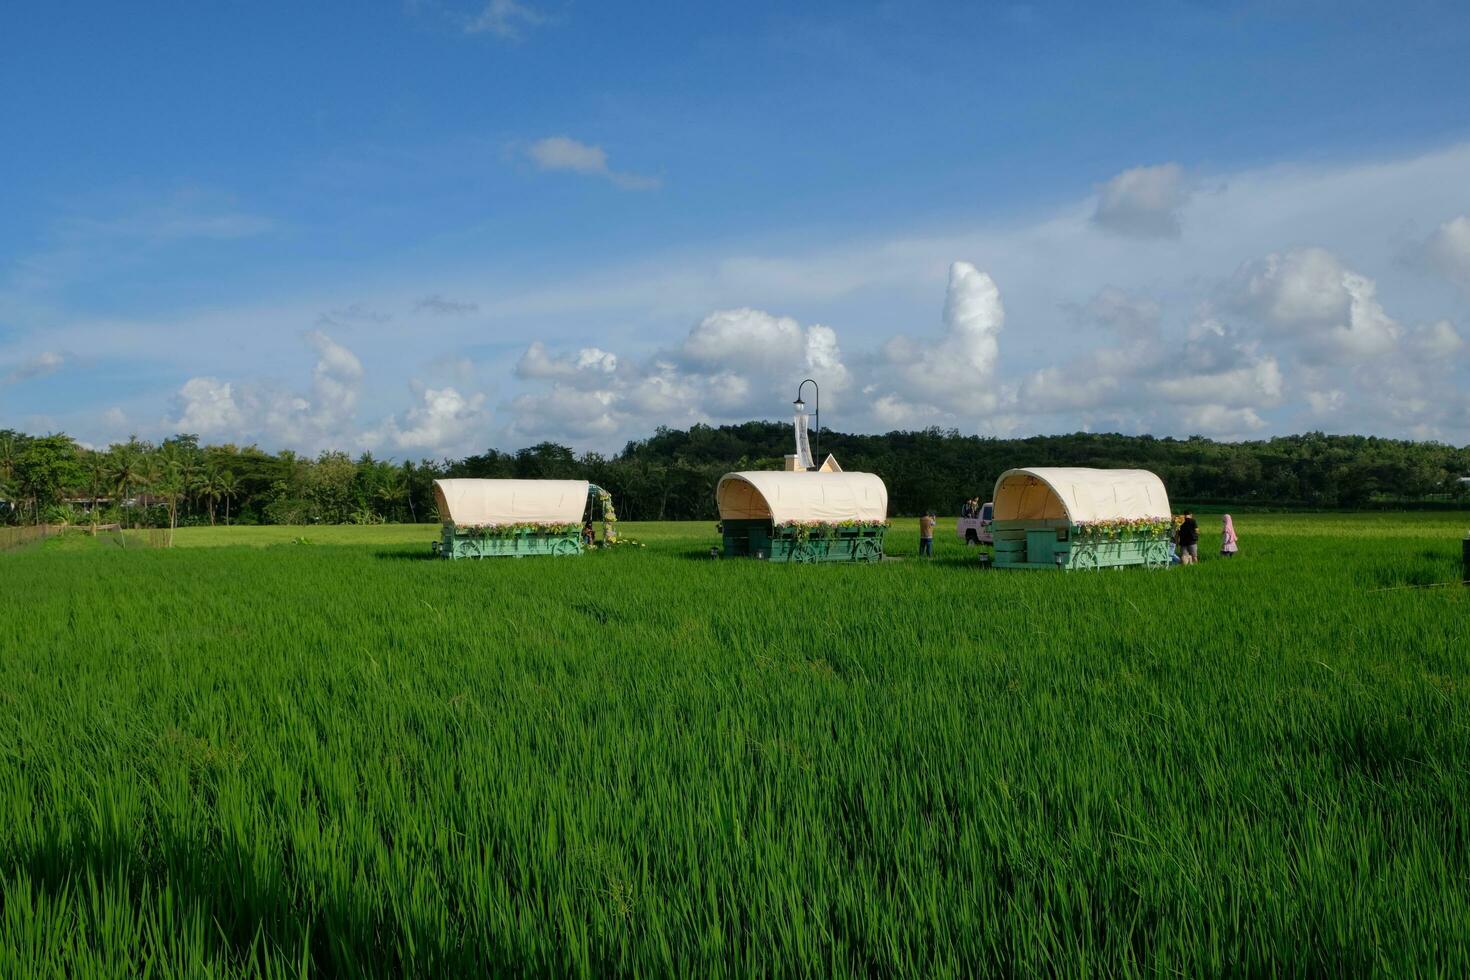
{"x": 1229, "y": 543}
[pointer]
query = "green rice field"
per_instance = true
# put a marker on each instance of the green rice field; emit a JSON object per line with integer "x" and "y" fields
{"x": 247, "y": 756}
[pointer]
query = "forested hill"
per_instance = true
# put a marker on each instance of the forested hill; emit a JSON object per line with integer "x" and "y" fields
{"x": 672, "y": 475}
{"x": 938, "y": 469}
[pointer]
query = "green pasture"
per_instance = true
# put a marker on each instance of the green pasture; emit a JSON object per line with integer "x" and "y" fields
{"x": 245, "y": 756}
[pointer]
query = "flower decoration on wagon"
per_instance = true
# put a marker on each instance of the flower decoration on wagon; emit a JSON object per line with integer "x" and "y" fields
{"x": 1116, "y": 529}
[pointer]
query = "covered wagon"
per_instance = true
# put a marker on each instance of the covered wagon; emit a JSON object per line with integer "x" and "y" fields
{"x": 1071, "y": 517}
{"x": 511, "y": 518}
{"x": 803, "y": 516}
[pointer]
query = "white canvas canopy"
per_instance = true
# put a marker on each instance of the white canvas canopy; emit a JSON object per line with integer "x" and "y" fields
{"x": 780, "y": 496}
{"x": 1079, "y": 495}
{"x": 479, "y": 503}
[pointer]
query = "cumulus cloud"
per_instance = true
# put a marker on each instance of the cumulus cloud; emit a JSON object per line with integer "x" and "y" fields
{"x": 444, "y": 423}
{"x": 955, "y": 372}
{"x": 1221, "y": 422}
{"x": 209, "y": 406}
{"x": 1098, "y": 335}
{"x": 336, "y": 379}
{"x": 1144, "y": 202}
{"x": 590, "y": 367}
{"x": 39, "y": 366}
{"x": 1131, "y": 317}
{"x": 1447, "y": 251}
{"x": 1436, "y": 341}
{"x": 1212, "y": 381}
{"x": 732, "y": 365}
{"x": 1326, "y": 403}
{"x": 1309, "y": 295}
{"x": 566, "y": 154}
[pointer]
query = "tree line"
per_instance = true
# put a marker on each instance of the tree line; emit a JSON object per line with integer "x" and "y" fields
{"x": 672, "y": 474}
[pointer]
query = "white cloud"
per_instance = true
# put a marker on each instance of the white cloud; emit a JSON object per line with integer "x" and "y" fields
{"x": 590, "y": 367}
{"x": 1437, "y": 341}
{"x": 506, "y": 19}
{"x": 207, "y": 407}
{"x": 956, "y": 371}
{"x": 1296, "y": 341}
{"x": 1132, "y": 317}
{"x": 42, "y": 364}
{"x": 258, "y": 410}
{"x": 336, "y": 379}
{"x": 566, "y": 154}
{"x": 1144, "y": 202}
{"x": 1326, "y": 402}
{"x": 1308, "y": 294}
{"x": 1211, "y": 381}
{"x": 1221, "y": 422}
{"x": 446, "y": 423}
{"x": 732, "y": 365}
{"x": 1447, "y": 250}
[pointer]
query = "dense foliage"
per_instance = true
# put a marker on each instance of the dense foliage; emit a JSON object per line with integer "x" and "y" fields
{"x": 340, "y": 761}
{"x": 671, "y": 475}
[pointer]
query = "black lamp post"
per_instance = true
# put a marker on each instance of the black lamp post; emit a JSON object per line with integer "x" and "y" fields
{"x": 801, "y": 406}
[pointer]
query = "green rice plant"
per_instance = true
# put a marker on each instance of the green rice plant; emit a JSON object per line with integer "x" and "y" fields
{"x": 239, "y": 758}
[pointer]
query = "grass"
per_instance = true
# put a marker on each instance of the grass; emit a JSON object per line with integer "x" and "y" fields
{"x": 245, "y": 757}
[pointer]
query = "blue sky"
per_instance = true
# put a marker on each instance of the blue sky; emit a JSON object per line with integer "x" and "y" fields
{"x": 431, "y": 227}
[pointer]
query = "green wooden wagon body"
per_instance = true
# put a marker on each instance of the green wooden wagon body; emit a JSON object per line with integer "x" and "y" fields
{"x": 491, "y": 543}
{"x": 761, "y": 539}
{"x": 1061, "y": 544}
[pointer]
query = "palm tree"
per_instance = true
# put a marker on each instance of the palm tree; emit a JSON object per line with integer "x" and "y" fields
{"x": 208, "y": 488}
{"x": 170, "y": 481}
{"x": 126, "y": 471}
{"x": 8, "y": 452}
{"x": 392, "y": 492}
{"x": 7, "y": 495}
{"x": 408, "y": 474}
{"x": 228, "y": 487}
{"x": 98, "y": 467}
{"x": 191, "y": 477}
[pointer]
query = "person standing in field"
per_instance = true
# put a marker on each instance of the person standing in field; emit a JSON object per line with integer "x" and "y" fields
{"x": 1229, "y": 543}
{"x": 926, "y": 535}
{"x": 1189, "y": 540}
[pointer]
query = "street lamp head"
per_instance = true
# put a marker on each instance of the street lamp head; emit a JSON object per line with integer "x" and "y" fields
{"x": 800, "y": 405}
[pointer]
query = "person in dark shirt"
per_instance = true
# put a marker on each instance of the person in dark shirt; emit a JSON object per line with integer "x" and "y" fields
{"x": 1189, "y": 540}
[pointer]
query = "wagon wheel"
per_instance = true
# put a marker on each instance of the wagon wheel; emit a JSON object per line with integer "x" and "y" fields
{"x": 565, "y": 547}
{"x": 1156, "y": 555}
{"x": 1086, "y": 559}
{"x": 866, "y": 551}
{"x": 804, "y": 552}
